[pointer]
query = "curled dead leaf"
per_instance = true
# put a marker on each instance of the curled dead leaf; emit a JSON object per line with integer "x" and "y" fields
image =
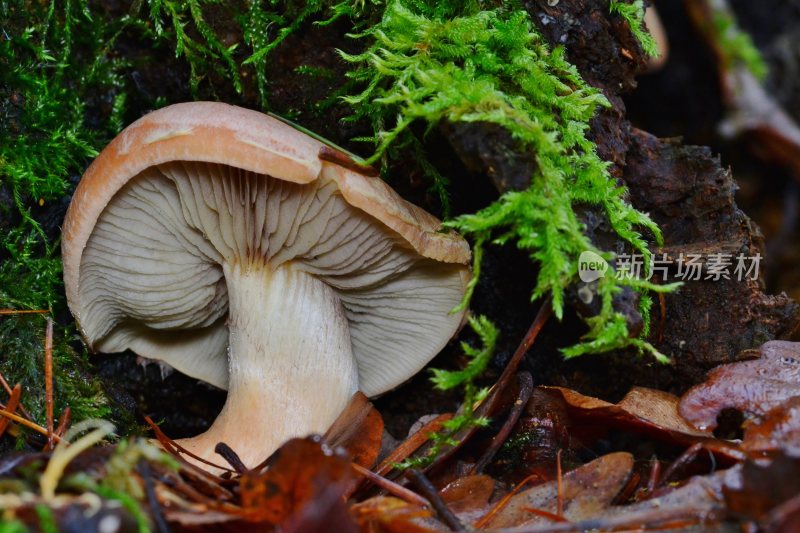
{"x": 753, "y": 387}
{"x": 587, "y": 490}
{"x": 650, "y": 410}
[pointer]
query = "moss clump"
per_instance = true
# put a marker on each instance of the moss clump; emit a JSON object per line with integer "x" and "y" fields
{"x": 430, "y": 62}
{"x": 633, "y": 14}
{"x": 49, "y": 71}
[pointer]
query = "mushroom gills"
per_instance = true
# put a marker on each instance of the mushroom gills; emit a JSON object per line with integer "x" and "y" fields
{"x": 173, "y": 249}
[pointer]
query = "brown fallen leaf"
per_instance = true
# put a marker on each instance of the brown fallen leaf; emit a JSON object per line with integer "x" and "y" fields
{"x": 468, "y": 497}
{"x": 301, "y": 471}
{"x": 698, "y": 502}
{"x": 778, "y": 430}
{"x": 587, "y": 490}
{"x": 762, "y": 487}
{"x": 753, "y": 387}
{"x": 652, "y": 411}
{"x": 384, "y": 514}
{"x": 359, "y": 430}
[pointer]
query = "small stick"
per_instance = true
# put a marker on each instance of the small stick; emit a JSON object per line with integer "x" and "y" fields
{"x": 63, "y": 421}
{"x": 685, "y": 458}
{"x": 412, "y": 444}
{"x": 48, "y": 380}
{"x": 525, "y": 391}
{"x": 176, "y": 449}
{"x": 5, "y": 312}
{"x": 553, "y": 517}
{"x": 13, "y": 404}
{"x": 390, "y": 486}
{"x": 28, "y": 424}
{"x": 231, "y": 456}
{"x": 152, "y": 500}
{"x": 499, "y": 506}
{"x": 8, "y": 390}
{"x": 655, "y": 475}
{"x": 429, "y": 491}
{"x": 560, "y": 485}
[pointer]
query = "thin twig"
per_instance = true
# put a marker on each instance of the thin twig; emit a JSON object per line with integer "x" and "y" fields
{"x": 28, "y": 424}
{"x": 390, "y": 486}
{"x": 152, "y": 500}
{"x": 500, "y": 505}
{"x": 559, "y": 485}
{"x": 412, "y": 444}
{"x": 685, "y": 458}
{"x": 48, "y": 380}
{"x": 176, "y": 449}
{"x": 227, "y": 453}
{"x": 655, "y": 475}
{"x": 4, "y": 312}
{"x": 429, "y": 491}
{"x": 525, "y": 390}
{"x": 63, "y": 421}
{"x": 7, "y": 388}
{"x": 13, "y": 404}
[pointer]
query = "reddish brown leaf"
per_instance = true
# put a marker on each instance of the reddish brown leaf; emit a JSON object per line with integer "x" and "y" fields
{"x": 301, "y": 471}
{"x": 779, "y": 430}
{"x": 359, "y": 429}
{"x": 586, "y": 490}
{"x": 645, "y": 409}
{"x": 761, "y": 488}
{"x": 384, "y": 514}
{"x": 753, "y": 387}
{"x": 468, "y": 497}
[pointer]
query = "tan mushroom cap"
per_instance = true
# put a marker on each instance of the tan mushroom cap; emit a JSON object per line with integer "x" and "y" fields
{"x": 214, "y": 132}
{"x": 220, "y": 134}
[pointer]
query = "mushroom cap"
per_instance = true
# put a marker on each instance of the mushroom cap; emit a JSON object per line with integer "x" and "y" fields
{"x": 177, "y": 138}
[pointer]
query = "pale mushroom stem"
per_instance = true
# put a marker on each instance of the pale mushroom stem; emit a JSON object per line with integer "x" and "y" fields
{"x": 292, "y": 370}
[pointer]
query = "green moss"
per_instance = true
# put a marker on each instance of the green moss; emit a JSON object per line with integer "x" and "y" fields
{"x": 429, "y": 62}
{"x": 48, "y": 73}
{"x": 736, "y": 46}
{"x": 243, "y": 49}
{"x": 13, "y": 526}
{"x": 47, "y": 521}
{"x": 445, "y": 380}
{"x": 633, "y": 13}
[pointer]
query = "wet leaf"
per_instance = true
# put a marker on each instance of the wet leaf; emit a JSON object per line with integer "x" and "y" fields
{"x": 761, "y": 488}
{"x": 468, "y": 497}
{"x": 587, "y": 490}
{"x": 642, "y": 408}
{"x": 753, "y": 387}
{"x": 301, "y": 471}
{"x": 359, "y": 429}
{"x": 698, "y": 502}
{"x": 383, "y": 514}
{"x": 779, "y": 430}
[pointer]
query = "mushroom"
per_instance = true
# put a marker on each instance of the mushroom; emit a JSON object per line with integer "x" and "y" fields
{"x": 215, "y": 239}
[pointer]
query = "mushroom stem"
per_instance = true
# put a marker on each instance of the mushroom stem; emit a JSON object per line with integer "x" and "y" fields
{"x": 292, "y": 370}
